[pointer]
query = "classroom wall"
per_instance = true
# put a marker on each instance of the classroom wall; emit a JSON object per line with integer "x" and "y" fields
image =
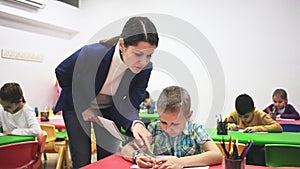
{"x": 216, "y": 49}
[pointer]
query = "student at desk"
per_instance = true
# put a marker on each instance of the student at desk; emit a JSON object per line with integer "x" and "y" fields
{"x": 175, "y": 134}
{"x": 280, "y": 107}
{"x": 250, "y": 119}
{"x": 17, "y": 117}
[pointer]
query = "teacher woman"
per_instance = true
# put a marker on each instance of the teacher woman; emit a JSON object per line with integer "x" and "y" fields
{"x": 106, "y": 79}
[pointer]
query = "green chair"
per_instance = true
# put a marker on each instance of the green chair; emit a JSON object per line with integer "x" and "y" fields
{"x": 282, "y": 155}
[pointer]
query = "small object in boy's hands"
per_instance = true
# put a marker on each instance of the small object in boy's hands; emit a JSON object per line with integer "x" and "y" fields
{"x": 273, "y": 109}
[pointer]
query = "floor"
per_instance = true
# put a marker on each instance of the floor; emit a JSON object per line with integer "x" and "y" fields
{"x": 50, "y": 163}
{"x": 52, "y": 158}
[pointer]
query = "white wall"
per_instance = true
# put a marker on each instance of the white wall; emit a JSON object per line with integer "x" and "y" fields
{"x": 256, "y": 44}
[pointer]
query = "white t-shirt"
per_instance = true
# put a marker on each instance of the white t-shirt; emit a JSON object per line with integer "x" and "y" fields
{"x": 22, "y": 122}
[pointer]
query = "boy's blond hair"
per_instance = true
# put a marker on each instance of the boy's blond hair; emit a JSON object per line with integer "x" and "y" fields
{"x": 174, "y": 98}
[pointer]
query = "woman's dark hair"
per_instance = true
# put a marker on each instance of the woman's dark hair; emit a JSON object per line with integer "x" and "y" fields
{"x": 139, "y": 29}
{"x": 244, "y": 104}
{"x": 135, "y": 30}
{"x": 12, "y": 93}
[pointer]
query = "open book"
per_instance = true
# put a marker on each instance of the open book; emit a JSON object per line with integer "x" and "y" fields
{"x": 111, "y": 127}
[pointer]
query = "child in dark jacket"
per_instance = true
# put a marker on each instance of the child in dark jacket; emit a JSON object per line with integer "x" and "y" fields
{"x": 280, "y": 107}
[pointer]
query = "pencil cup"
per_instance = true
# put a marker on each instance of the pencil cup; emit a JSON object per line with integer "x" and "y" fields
{"x": 234, "y": 164}
{"x": 45, "y": 116}
{"x": 222, "y": 128}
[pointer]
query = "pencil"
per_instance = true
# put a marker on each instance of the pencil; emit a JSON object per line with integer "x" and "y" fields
{"x": 248, "y": 148}
{"x": 224, "y": 148}
{"x": 235, "y": 152}
{"x": 242, "y": 156}
{"x": 233, "y": 120}
{"x": 142, "y": 151}
{"x": 229, "y": 145}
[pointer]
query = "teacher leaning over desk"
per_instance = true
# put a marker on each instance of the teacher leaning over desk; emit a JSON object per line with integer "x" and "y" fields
{"x": 107, "y": 79}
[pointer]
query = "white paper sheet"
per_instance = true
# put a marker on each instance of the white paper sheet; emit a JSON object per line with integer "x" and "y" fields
{"x": 242, "y": 130}
{"x": 111, "y": 127}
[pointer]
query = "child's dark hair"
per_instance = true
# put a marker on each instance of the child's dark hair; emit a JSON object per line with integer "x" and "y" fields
{"x": 281, "y": 93}
{"x": 12, "y": 93}
{"x": 135, "y": 30}
{"x": 244, "y": 104}
{"x": 146, "y": 95}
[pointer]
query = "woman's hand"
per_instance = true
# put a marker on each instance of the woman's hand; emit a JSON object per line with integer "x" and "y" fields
{"x": 142, "y": 135}
{"x": 170, "y": 163}
{"x": 90, "y": 115}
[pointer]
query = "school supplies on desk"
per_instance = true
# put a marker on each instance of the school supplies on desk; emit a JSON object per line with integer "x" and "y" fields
{"x": 234, "y": 154}
{"x": 235, "y": 159}
{"x": 221, "y": 126}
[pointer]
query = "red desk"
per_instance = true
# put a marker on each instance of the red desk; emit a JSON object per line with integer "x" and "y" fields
{"x": 288, "y": 121}
{"x": 57, "y": 121}
{"x": 111, "y": 162}
{"x": 117, "y": 162}
{"x": 290, "y": 125}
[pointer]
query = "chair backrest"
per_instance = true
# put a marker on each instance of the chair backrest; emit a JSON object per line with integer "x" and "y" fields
{"x": 18, "y": 155}
{"x": 42, "y": 142}
{"x": 282, "y": 155}
{"x": 50, "y": 146}
{"x": 51, "y": 133}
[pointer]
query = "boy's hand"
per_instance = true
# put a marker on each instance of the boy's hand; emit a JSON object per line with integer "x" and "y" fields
{"x": 144, "y": 161}
{"x": 234, "y": 127}
{"x": 250, "y": 130}
{"x": 170, "y": 163}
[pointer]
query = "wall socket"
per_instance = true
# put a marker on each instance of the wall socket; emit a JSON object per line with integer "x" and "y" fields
{"x": 12, "y": 54}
